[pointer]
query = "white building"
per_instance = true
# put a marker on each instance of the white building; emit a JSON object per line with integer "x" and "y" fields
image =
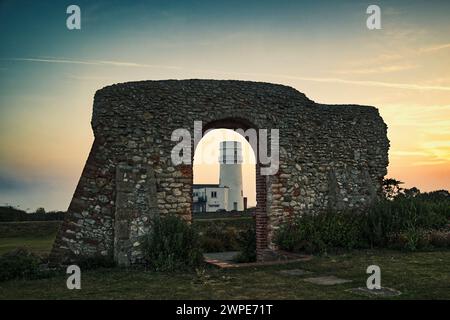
{"x": 228, "y": 195}
{"x": 209, "y": 198}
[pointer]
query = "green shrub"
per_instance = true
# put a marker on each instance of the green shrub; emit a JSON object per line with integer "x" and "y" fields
{"x": 218, "y": 238}
{"x": 95, "y": 262}
{"x": 247, "y": 244}
{"x": 400, "y": 223}
{"x": 408, "y": 216}
{"x": 211, "y": 244}
{"x": 321, "y": 233}
{"x": 439, "y": 239}
{"x": 172, "y": 245}
{"x": 19, "y": 264}
{"x": 415, "y": 238}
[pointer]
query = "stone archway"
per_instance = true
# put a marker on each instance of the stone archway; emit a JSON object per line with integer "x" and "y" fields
{"x": 330, "y": 156}
{"x": 261, "y": 185}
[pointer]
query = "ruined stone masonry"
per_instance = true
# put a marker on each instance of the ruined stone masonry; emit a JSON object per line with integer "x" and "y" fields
{"x": 331, "y": 156}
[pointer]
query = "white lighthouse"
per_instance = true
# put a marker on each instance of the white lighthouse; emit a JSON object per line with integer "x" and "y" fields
{"x": 230, "y": 160}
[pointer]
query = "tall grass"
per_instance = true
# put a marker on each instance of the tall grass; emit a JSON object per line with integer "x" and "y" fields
{"x": 385, "y": 224}
{"x": 172, "y": 245}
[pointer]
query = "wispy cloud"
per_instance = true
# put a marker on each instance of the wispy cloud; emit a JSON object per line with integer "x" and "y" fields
{"x": 430, "y": 162}
{"x": 403, "y": 153}
{"x": 436, "y": 48}
{"x": 391, "y": 62}
{"x": 377, "y": 70}
{"x": 409, "y": 86}
{"x": 88, "y": 77}
{"x": 93, "y": 62}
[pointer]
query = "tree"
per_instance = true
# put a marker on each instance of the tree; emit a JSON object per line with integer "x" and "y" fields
{"x": 438, "y": 195}
{"x": 391, "y": 188}
{"x": 411, "y": 193}
{"x": 40, "y": 210}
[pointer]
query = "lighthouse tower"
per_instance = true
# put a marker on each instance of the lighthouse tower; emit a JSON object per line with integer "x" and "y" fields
{"x": 231, "y": 173}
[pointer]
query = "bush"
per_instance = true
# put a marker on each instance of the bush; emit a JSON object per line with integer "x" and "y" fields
{"x": 321, "y": 233}
{"x": 439, "y": 239}
{"x": 8, "y": 213}
{"x": 408, "y": 216}
{"x": 218, "y": 238}
{"x": 404, "y": 223}
{"x": 410, "y": 240}
{"x": 247, "y": 244}
{"x": 95, "y": 262}
{"x": 172, "y": 245}
{"x": 19, "y": 264}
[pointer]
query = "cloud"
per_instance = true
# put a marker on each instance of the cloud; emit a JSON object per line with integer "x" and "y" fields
{"x": 8, "y": 183}
{"x": 409, "y": 86}
{"x": 402, "y": 153}
{"x": 378, "y": 70}
{"x": 93, "y": 62}
{"x": 431, "y": 162}
{"x": 436, "y": 48}
{"x": 380, "y": 64}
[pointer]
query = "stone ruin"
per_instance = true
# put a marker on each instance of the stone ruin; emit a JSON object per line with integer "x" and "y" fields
{"x": 331, "y": 156}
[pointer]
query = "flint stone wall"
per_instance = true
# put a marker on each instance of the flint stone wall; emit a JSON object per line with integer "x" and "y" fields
{"x": 331, "y": 156}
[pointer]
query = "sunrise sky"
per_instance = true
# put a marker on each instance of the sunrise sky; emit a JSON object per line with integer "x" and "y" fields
{"x": 49, "y": 74}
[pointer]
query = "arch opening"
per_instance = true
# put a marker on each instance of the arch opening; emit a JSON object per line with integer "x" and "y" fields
{"x": 209, "y": 175}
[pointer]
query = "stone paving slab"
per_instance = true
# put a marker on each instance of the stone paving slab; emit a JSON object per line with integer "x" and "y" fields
{"x": 326, "y": 280}
{"x": 384, "y": 292}
{"x": 296, "y": 272}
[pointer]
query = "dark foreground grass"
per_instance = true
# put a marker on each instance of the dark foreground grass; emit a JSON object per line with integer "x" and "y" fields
{"x": 420, "y": 275}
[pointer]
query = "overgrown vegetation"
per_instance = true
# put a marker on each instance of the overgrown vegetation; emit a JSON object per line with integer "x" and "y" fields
{"x": 172, "y": 245}
{"x": 320, "y": 233}
{"x": 20, "y": 264}
{"x": 9, "y": 213}
{"x": 406, "y": 219}
{"x": 231, "y": 234}
{"x": 219, "y": 237}
{"x": 247, "y": 245}
{"x": 95, "y": 262}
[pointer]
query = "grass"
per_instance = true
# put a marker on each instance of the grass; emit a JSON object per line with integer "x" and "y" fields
{"x": 38, "y": 245}
{"x": 419, "y": 275}
{"x": 29, "y": 228}
{"x": 38, "y": 236}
